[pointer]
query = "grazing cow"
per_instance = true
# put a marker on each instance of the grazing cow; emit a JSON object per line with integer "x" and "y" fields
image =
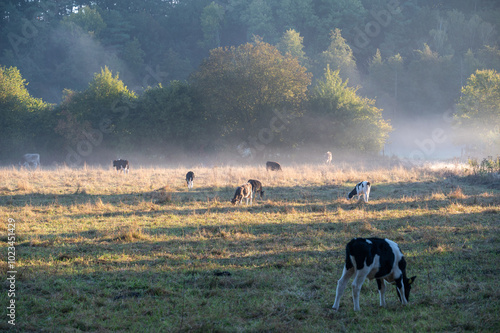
{"x": 121, "y": 165}
{"x": 243, "y": 192}
{"x": 256, "y": 187}
{"x": 374, "y": 258}
{"x": 328, "y": 157}
{"x": 189, "y": 179}
{"x": 273, "y": 166}
{"x": 30, "y": 159}
{"x": 361, "y": 189}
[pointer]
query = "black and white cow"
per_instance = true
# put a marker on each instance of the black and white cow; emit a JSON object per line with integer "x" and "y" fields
{"x": 121, "y": 165}
{"x": 273, "y": 166}
{"x": 374, "y": 258}
{"x": 242, "y": 192}
{"x": 256, "y": 187}
{"x": 190, "y": 179}
{"x": 30, "y": 160}
{"x": 361, "y": 189}
{"x": 328, "y": 158}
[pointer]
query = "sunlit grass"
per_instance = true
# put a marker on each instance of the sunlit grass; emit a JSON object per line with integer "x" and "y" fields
{"x": 101, "y": 251}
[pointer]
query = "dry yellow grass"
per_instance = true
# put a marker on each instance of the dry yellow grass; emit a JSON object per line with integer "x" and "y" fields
{"x": 94, "y": 239}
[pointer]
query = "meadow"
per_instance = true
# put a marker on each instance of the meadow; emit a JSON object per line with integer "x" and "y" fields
{"x": 97, "y": 251}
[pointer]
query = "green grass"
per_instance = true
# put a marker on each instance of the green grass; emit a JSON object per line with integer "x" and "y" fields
{"x": 98, "y": 251}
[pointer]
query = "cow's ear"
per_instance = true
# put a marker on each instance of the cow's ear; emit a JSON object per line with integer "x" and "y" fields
{"x": 412, "y": 279}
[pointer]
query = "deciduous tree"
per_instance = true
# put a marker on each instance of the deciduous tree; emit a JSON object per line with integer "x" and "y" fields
{"x": 478, "y": 111}
{"x": 240, "y": 87}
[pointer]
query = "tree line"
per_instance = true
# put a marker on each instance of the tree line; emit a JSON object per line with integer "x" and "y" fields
{"x": 207, "y": 76}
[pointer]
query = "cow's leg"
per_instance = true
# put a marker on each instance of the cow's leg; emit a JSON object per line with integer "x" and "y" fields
{"x": 381, "y": 291}
{"x": 356, "y": 286}
{"x": 341, "y": 284}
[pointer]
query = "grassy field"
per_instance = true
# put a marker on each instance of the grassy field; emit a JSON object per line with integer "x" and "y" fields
{"x": 96, "y": 251}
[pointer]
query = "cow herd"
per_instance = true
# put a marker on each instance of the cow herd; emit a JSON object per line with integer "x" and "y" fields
{"x": 372, "y": 258}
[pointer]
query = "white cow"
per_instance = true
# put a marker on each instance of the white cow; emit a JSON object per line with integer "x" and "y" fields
{"x": 30, "y": 159}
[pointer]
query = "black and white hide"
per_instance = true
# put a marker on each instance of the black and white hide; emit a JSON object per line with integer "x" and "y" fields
{"x": 121, "y": 165}
{"x": 361, "y": 189}
{"x": 190, "y": 179}
{"x": 374, "y": 258}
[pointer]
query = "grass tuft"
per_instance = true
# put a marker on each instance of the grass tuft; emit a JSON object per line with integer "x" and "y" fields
{"x": 457, "y": 193}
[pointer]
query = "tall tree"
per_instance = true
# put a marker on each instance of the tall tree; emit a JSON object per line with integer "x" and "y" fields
{"x": 104, "y": 106}
{"x": 211, "y": 23}
{"x": 434, "y": 83}
{"x": 478, "y": 111}
{"x": 343, "y": 112}
{"x": 241, "y": 86}
{"x": 165, "y": 118}
{"x": 18, "y": 112}
{"x": 339, "y": 56}
{"x": 292, "y": 43}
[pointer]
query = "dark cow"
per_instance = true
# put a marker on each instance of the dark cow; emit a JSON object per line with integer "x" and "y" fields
{"x": 374, "y": 258}
{"x": 361, "y": 189}
{"x": 256, "y": 187}
{"x": 189, "y": 179}
{"x": 121, "y": 165}
{"x": 242, "y": 192}
{"x": 273, "y": 166}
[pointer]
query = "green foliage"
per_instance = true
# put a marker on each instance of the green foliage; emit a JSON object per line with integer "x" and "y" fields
{"x": 430, "y": 72}
{"x": 239, "y": 87}
{"x": 258, "y": 17}
{"x": 165, "y": 117}
{"x": 106, "y": 102}
{"x": 88, "y": 19}
{"x": 292, "y": 44}
{"x": 14, "y": 94}
{"x": 134, "y": 55}
{"x": 478, "y": 110}
{"x": 349, "y": 121}
{"x": 339, "y": 56}
{"x": 20, "y": 114}
{"x": 487, "y": 166}
{"x": 424, "y": 52}
{"x": 211, "y": 19}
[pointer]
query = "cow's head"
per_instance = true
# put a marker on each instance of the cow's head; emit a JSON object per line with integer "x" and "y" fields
{"x": 407, "y": 284}
{"x": 237, "y": 198}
